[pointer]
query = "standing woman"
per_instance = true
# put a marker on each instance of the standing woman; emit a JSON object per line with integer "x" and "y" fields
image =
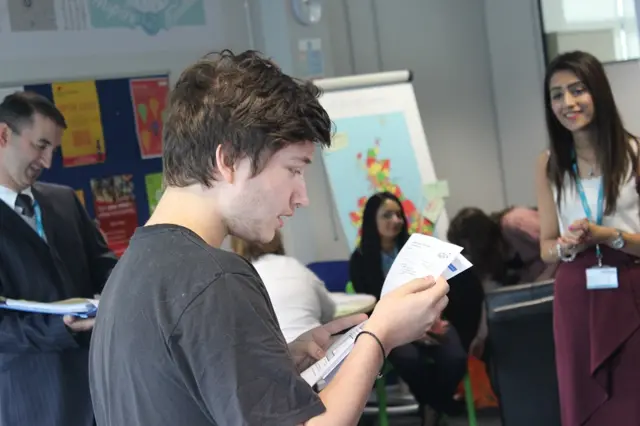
{"x": 590, "y": 221}
{"x": 431, "y": 369}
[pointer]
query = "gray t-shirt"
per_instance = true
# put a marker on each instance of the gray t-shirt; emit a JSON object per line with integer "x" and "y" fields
{"x": 186, "y": 334}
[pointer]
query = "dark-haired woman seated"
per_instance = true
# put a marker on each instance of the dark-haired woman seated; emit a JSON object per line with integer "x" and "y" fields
{"x": 431, "y": 369}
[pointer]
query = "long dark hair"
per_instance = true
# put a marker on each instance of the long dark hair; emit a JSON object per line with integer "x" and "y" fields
{"x": 481, "y": 237}
{"x": 370, "y": 245}
{"x": 613, "y": 151}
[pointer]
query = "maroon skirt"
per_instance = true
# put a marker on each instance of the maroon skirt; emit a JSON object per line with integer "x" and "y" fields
{"x": 597, "y": 341}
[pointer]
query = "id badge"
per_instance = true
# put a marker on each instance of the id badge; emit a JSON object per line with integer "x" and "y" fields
{"x": 602, "y": 278}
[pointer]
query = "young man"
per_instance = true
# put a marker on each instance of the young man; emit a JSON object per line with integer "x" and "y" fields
{"x": 49, "y": 250}
{"x": 186, "y": 332}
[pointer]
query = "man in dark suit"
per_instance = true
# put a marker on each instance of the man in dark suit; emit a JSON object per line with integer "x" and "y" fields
{"x": 50, "y": 250}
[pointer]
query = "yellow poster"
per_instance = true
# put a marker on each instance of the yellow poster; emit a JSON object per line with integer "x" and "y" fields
{"x": 80, "y": 195}
{"x": 83, "y": 141}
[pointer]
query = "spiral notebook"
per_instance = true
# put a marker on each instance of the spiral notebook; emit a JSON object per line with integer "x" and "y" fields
{"x": 79, "y": 307}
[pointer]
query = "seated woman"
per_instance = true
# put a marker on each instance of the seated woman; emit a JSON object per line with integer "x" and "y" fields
{"x": 432, "y": 370}
{"x": 299, "y": 298}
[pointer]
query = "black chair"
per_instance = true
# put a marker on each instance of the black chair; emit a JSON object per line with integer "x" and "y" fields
{"x": 522, "y": 360}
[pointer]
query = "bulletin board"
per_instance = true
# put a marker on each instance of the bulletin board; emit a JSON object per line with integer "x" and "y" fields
{"x": 122, "y": 152}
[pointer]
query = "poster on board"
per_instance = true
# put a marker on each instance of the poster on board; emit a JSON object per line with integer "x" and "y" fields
{"x": 80, "y": 195}
{"x": 83, "y": 141}
{"x": 115, "y": 209}
{"x": 149, "y": 99}
{"x": 153, "y": 184}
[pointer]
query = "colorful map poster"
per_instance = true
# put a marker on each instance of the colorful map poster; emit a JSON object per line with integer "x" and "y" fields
{"x": 374, "y": 154}
{"x": 153, "y": 183}
{"x": 151, "y": 16}
{"x": 149, "y": 99}
{"x": 115, "y": 208}
{"x": 80, "y": 195}
{"x": 83, "y": 141}
{"x": 380, "y": 145}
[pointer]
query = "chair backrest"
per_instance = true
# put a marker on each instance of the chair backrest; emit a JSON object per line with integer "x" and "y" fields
{"x": 334, "y": 273}
{"x": 522, "y": 354}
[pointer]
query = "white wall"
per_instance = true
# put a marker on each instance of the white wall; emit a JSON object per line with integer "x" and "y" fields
{"x": 443, "y": 43}
{"x": 517, "y": 68}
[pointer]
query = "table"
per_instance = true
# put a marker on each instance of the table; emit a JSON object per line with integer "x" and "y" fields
{"x": 349, "y": 304}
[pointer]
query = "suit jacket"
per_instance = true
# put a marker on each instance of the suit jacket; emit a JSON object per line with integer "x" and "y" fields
{"x": 43, "y": 366}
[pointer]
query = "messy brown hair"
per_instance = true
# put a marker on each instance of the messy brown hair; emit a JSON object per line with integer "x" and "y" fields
{"x": 243, "y": 103}
{"x": 253, "y": 250}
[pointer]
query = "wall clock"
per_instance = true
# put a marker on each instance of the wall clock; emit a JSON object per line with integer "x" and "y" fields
{"x": 307, "y": 12}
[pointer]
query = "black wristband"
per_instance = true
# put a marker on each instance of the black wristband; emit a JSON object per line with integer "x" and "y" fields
{"x": 384, "y": 353}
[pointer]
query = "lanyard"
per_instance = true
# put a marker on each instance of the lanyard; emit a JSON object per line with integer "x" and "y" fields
{"x": 587, "y": 209}
{"x": 38, "y": 217}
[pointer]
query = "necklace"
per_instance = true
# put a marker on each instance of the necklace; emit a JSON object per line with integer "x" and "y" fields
{"x": 591, "y": 167}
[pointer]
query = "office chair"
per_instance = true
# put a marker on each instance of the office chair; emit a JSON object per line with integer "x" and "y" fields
{"x": 522, "y": 352}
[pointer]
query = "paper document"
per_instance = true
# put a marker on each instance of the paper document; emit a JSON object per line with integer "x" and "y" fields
{"x": 420, "y": 257}
{"x": 79, "y": 307}
{"x": 459, "y": 264}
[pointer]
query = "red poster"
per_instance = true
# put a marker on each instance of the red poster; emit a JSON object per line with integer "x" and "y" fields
{"x": 115, "y": 208}
{"x": 149, "y": 98}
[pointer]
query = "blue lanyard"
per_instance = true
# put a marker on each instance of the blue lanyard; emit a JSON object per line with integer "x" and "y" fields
{"x": 38, "y": 217}
{"x": 585, "y": 204}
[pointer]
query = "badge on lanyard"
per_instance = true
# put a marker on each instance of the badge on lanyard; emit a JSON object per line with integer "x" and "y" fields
{"x": 599, "y": 277}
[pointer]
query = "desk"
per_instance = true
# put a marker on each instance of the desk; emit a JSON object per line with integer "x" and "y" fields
{"x": 349, "y": 304}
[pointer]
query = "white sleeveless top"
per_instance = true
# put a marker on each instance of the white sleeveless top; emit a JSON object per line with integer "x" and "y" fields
{"x": 626, "y": 217}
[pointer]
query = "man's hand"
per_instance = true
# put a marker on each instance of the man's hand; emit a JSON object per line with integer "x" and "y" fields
{"x": 312, "y": 345}
{"x": 79, "y": 324}
{"x": 405, "y": 314}
{"x": 437, "y": 333}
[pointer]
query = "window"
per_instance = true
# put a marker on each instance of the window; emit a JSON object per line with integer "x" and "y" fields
{"x": 606, "y": 28}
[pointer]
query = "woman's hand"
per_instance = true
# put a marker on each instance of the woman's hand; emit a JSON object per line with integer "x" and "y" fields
{"x": 586, "y": 232}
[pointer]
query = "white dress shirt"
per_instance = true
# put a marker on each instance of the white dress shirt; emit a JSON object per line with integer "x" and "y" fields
{"x": 9, "y": 196}
{"x": 299, "y": 297}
